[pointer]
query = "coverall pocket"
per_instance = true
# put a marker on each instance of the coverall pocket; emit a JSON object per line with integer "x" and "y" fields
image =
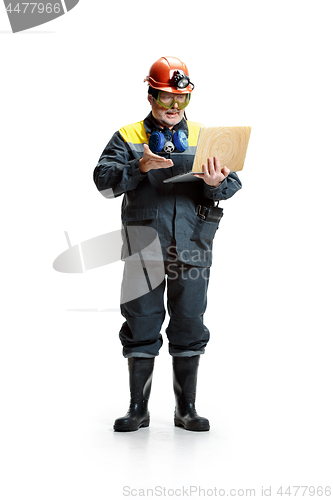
{"x": 204, "y": 231}
{"x": 140, "y": 230}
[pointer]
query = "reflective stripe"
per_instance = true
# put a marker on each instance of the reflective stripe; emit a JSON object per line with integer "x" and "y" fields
{"x": 191, "y": 150}
{"x": 136, "y": 147}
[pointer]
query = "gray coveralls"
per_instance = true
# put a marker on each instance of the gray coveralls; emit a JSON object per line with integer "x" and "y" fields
{"x": 186, "y": 240}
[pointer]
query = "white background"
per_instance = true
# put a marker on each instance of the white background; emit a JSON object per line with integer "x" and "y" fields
{"x": 265, "y": 381}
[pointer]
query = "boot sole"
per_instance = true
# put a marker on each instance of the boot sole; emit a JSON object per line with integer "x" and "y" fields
{"x": 120, "y": 428}
{"x": 199, "y": 428}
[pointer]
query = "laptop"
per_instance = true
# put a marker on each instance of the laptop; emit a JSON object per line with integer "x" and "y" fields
{"x": 229, "y": 144}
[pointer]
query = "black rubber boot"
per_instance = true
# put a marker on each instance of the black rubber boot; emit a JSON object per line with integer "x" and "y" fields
{"x": 140, "y": 377}
{"x": 185, "y": 371}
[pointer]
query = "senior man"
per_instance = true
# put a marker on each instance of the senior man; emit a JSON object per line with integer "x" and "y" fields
{"x": 136, "y": 161}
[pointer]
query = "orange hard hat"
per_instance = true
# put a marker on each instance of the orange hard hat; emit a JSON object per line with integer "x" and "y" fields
{"x": 171, "y": 75}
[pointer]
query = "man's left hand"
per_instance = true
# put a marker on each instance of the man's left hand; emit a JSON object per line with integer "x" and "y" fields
{"x": 213, "y": 174}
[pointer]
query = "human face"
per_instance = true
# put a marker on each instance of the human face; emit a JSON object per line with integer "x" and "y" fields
{"x": 166, "y": 117}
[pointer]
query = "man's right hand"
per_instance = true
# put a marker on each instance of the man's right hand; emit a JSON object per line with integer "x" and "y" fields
{"x": 151, "y": 161}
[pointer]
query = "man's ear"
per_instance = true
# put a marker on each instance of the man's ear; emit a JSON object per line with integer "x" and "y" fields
{"x": 150, "y": 98}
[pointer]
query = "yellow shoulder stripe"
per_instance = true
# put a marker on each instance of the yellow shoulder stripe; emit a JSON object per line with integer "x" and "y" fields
{"x": 193, "y": 133}
{"x": 134, "y": 133}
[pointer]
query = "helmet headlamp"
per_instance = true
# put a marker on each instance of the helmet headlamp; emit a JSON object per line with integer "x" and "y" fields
{"x": 181, "y": 80}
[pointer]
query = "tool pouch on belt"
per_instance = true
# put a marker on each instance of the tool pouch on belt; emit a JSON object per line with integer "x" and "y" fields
{"x": 210, "y": 214}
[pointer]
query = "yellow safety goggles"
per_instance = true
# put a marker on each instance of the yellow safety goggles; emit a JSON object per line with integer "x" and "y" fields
{"x": 167, "y": 100}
